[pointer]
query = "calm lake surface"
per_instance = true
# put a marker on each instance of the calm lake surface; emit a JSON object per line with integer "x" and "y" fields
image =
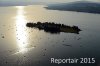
{"x": 24, "y": 46}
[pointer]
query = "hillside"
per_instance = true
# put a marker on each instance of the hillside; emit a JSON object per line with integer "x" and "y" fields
{"x": 79, "y": 6}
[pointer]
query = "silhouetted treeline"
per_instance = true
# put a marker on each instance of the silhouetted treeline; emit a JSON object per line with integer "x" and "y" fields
{"x": 52, "y": 27}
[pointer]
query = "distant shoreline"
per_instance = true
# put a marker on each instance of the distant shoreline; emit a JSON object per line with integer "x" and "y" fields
{"x": 78, "y": 6}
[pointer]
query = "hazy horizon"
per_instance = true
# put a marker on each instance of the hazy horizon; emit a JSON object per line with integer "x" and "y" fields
{"x": 48, "y": 1}
{"x": 31, "y": 2}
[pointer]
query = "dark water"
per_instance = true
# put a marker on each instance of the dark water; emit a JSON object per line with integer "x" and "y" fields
{"x": 23, "y": 46}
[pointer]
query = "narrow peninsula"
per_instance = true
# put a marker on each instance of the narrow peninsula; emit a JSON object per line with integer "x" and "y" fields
{"x": 77, "y": 6}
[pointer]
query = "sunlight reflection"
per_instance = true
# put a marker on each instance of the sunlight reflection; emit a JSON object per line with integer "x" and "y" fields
{"x": 20, "y": 30}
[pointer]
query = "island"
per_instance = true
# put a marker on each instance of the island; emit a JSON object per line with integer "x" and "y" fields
{"x": 53, "y": 28}
{"x": 77, "y": 6}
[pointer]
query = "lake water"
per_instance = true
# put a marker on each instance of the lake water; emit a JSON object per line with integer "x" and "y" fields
{"x": 24, "y": 46}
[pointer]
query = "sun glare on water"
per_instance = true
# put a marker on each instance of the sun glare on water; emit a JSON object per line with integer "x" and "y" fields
{"x": 21, "y": 34}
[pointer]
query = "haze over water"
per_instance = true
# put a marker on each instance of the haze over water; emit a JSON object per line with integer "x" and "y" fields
{"x": 23, "y": 46}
